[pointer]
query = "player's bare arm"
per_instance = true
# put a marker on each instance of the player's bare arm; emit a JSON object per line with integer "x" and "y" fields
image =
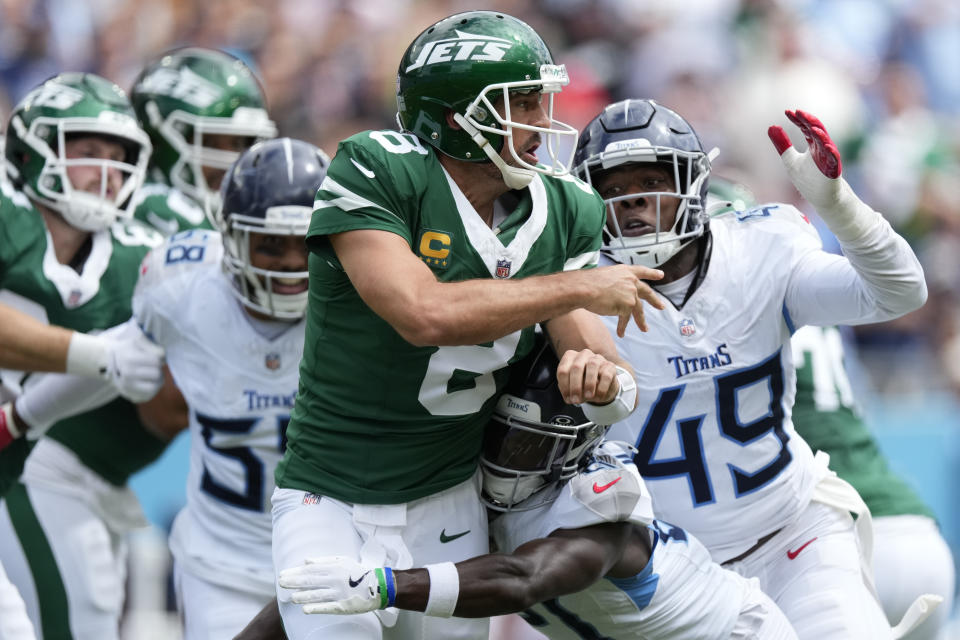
{"x": 266, "y": 625}
{"x": 565, "y": 562}
{"x": 167, "y": 413}
{"x": 402, "y": 290}
{"x": 588, "y": 357}
{"x": 30, "y": 345}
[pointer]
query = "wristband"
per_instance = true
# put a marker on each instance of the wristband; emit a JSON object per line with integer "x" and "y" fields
{"x": 86, "y": 356}
{"x": 387, "y": 587}
{"x": 444, "y": 589}
{"x": 618, "y": 408}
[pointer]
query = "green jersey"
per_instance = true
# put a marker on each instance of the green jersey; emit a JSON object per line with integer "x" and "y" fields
{"x": 109, "y": 440}
{"x": 825, "y": 415}
{"x": 168, "y": 210}
{"x": 378, "y": 420}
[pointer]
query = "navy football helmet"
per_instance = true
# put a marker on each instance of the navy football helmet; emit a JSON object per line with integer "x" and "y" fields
{"x": 534, "y": 441}
{"x": 635, "y": 131}
{"x": 269, "y": 189}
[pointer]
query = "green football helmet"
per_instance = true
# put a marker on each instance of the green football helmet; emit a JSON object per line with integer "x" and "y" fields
{"x": 464, "y": 64}
{"x": 184, "y": 97}
{"x": 73, "y": 105}
{"x": 726, "y": 195}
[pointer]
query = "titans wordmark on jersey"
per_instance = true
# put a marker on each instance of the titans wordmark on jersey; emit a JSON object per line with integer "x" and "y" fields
{"x": 378, "y": 420}
{"x": 239, "y": 385}
{"x": 109, "y": 440}
{"x": 716, "y": 383}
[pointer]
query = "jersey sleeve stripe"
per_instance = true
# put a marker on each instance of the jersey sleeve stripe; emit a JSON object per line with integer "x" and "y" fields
{"x": 589, "y": 259}
{"x": 345, "y": 200}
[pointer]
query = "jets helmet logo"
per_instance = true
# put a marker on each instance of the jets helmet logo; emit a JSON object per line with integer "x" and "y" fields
{"x": 182, "y": 84}
{"x": 465, "y": 46}
{"x": 55, "y": 96}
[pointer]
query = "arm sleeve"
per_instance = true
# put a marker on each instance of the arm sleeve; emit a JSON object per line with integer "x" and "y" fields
{"x": 51, "y": 397}
{"x": 878, "y": 278}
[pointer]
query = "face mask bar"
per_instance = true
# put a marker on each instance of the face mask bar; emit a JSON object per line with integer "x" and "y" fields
{"x": 509, "y": 481}
{"x": 253, "y": 286}
{"x": 82, "y": 209}
{"x": 192, "y": 156}
{"x": 553, "y": 78}
{"x": 654, "y": 248}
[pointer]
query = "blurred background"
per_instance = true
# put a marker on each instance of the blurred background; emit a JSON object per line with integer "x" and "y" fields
{"x": 883, "y": 75}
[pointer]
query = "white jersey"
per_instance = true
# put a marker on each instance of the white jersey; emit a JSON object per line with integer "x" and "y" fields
{"x": 240, "y": 387}
{"x": 680, "y": 593}
{"x": 716, "y": 378}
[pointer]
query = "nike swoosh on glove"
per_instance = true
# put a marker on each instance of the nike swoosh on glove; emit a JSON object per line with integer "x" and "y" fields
{"x": 339, "y": 585}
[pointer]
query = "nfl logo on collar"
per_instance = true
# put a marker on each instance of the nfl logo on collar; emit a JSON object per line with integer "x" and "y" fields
{"x": 503, "y": 268}
{"x": 687, "y": 328}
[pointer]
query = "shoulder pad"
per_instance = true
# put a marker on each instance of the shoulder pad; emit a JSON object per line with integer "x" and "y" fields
{"x": 182, "y": 253}
{"x": 612, "y": 491}
{"x": 775, "y": 218}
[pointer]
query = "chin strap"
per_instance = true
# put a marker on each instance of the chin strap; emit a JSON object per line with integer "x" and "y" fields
{"x": 513, "y": 177}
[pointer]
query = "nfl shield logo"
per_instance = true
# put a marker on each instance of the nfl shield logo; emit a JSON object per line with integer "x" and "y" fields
{"x": 687, "y": 328}
{"x": 273, "y": 361}
{"x": 503, "y": 268}
{"x": 74, "y": 298}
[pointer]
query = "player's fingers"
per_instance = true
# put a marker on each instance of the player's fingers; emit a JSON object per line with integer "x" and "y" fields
{"x": 591, "y": 374}
{"x": 825, "y": 154}
{"x": 646, "y": 293}
{"x": 794, "y": 118}
{"x": 622, "y": 324}
{"x": 779, "y": 138}
{"x": 646, "y": 273}
{"x": 310, "y": 595}
{"x": 324, "y": 608}
{"x": 639, "y": 317}
{"x": 606, "y": 375}
{"x": 811, "y": 120}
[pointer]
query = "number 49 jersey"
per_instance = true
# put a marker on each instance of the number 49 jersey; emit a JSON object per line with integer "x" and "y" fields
{"x": 239, "y": 384}
{"x": 716, "y": 384}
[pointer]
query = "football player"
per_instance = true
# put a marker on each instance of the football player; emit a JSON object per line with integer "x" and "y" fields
{"x": 228, "y": 309}
{"x": 580, "y": 550}
{"x": 715, "y": 373}
{"x": 910, "y": 555}
{"x": 69, "y": 255}
{"x": 201, "y": 108}
{"x": 428, "y": 250}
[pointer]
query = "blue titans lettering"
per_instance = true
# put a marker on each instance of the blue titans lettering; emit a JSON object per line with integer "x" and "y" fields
{"x": 266, "y": 400}
{"x": 683, "y": 365}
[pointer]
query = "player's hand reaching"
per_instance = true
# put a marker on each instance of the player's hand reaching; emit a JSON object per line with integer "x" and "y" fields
{"x": 134, "y": 365}
{"x": 816, "y": 175}
{"x": 339, "y": 585}
{"x": 815, "y": 172}
{"x": 621, "y": 291}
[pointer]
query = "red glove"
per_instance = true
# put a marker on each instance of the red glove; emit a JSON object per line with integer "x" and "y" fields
{"x": 822, "y": 148}
{"x": 8, "y": 425}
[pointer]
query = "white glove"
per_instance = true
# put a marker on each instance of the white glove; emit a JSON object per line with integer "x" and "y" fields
{"x": 339, "y": 585}
{"x": 135, "y": 366}
{"x": 123, "y": 356}
{"x": 816, "y": 175}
